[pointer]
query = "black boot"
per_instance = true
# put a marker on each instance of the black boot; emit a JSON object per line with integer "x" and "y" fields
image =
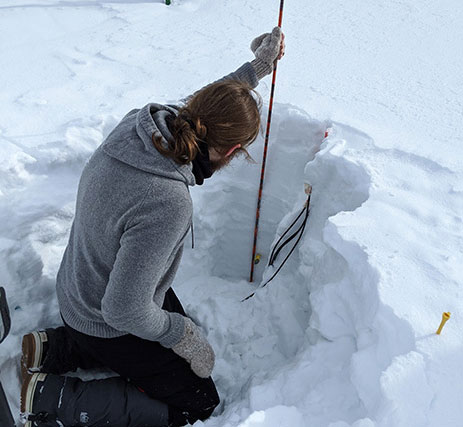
{"x": 52, "y": 400}
{"x": 53, "y": 351}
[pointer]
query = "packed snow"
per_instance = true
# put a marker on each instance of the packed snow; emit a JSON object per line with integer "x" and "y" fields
{"x": 344, "y": 336}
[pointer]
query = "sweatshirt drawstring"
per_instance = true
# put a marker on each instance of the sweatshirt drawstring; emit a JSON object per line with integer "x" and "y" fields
{"x": 191, "y": 225}
{"x": 192, "y": 234}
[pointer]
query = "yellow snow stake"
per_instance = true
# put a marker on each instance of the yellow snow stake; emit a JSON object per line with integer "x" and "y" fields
{"x": 445, "y": 317}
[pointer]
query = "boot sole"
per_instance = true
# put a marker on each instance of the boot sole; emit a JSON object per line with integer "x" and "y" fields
{"x": 27, "y": 396}
{"x": 32, "y": 352}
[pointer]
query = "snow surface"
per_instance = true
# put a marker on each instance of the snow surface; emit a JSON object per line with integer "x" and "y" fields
{"x": 345, "y": 335}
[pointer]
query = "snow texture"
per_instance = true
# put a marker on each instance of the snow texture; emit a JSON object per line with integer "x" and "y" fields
{"x": 345, "y": 335}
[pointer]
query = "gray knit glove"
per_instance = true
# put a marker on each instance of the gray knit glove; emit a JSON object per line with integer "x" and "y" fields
{"x": 266, "y": 47}
{"x": 194, "y": 348}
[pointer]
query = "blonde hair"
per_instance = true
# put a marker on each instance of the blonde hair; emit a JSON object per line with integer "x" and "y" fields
{"x": 222, "y": 115}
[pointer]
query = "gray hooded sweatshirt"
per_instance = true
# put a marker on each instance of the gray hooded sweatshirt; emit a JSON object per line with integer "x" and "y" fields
{"x": 133, "y": 213}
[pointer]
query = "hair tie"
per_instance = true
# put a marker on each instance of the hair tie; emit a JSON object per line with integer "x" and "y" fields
{"x": 189, "y": 121}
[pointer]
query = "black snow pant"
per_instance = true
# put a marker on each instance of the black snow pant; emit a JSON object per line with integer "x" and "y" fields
{"x": 152, "y": 368}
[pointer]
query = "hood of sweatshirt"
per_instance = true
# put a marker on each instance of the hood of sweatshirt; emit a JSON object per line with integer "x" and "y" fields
{"x": 131, "y": 142}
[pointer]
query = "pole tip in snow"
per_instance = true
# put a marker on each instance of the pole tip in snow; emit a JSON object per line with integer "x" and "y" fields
{"x": 445, "y": 317}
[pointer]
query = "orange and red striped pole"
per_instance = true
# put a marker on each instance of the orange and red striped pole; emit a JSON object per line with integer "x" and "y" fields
{"x": 264, "y": 158}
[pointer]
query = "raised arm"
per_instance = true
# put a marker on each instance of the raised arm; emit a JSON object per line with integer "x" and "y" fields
{"x": 268, "y": 48}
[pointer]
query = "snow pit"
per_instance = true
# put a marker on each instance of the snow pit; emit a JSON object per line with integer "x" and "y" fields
{"x": 317, "y": 337}
{"x": 311, "y": 348}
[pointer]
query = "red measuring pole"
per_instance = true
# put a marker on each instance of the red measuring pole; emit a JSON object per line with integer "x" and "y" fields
{"x": 264, "y": 158}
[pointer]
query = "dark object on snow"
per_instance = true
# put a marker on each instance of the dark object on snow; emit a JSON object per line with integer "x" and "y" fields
{"x": 6, "y": 419}
{"x": 5, "y": 322}
{"x": 167, "y": 2}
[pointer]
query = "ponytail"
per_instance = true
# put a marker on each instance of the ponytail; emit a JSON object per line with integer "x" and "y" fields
{"x": 222, "y": 115}
{"x": 186, "y": 132}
